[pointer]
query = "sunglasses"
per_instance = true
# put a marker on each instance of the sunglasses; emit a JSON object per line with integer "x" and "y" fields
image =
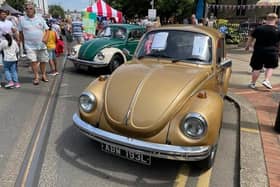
{"x": 28, "y": 8}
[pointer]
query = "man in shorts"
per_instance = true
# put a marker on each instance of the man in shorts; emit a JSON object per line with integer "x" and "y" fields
{"x": 32, "y": 29}
{"x": 77, "y": 31}
{"x": 266, "y": 50}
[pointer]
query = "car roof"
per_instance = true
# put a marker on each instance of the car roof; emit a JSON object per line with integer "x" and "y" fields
{"x": 127, "y": 26}
{"x": 193, "y": 28}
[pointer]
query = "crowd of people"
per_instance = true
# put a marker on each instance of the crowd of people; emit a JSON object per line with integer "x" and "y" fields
{"x": 31, "y": 36}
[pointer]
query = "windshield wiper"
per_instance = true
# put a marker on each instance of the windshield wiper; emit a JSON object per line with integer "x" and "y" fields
{"x": 184, "y": 59}
{"x": 154, "y": 55}
{"x": 140, "y": 57}
{"x": 158, "y": 55}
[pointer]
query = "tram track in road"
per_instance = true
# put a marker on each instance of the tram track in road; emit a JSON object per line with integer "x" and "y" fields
{"x": 30, "y": 169}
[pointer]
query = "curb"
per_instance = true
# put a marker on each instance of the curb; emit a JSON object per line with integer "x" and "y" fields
{"x": 252, "y": 163}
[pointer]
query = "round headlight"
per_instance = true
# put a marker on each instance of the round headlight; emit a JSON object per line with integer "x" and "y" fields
{"x": 194, "y": 125}
{"x": 87, "y": 101}
{"x": 100, "y": 56}
{"x": 73, "y": 51}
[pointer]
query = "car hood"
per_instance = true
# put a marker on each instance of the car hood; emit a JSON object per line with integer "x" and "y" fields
{"x": 142, "y": 98}
{"x": 89, "y": 49}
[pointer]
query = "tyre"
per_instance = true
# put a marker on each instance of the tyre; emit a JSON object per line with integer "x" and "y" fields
{"x": 77, "y": 67}
{"x": 115, "y": 62}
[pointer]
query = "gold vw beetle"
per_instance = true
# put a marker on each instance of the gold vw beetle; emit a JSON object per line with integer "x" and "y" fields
{"x": 167, "y": 102}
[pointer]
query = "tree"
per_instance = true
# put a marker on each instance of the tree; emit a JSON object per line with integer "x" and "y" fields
{"x": 179, "y": 9}
{"x": 17, "y": 4}
{"x": 56, "y": 11}
{"x": 130, "y": 8}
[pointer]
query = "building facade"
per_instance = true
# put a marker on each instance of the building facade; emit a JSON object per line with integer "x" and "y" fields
{"x": 41, "y": 6}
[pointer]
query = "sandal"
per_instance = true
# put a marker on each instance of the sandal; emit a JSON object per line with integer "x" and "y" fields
{"x": 45, "y": 80}
{"x": 36, "y": 81}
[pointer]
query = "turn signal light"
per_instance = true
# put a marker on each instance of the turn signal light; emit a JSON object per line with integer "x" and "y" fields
{"x": 202, "y": 95}
{"x": 102, "y": 77}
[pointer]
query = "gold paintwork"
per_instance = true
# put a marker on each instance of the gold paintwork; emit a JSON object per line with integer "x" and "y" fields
{"x": 148, "y": 98}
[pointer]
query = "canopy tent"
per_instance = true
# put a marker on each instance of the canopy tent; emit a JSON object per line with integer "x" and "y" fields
{"x": 6, "y": 6}
{"x": 268, "y": 3}
{"x": 103, "y": 9}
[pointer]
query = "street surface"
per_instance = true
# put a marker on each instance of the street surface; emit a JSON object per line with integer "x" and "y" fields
{"x": 41, "y": 147}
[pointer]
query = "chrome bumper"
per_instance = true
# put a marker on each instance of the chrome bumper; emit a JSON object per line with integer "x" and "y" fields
{"x": 87, "y": 62}
{"x": 172, "y": 152}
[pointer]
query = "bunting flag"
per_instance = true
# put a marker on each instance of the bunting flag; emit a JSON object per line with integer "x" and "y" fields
{"x": 239, "y": 7}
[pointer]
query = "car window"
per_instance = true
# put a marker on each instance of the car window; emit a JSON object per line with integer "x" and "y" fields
{"x": 113, "y": 32}
{"x": 106, "y": 32}
{"x": 135, "y": 34}
{"x": 177, "y": 45}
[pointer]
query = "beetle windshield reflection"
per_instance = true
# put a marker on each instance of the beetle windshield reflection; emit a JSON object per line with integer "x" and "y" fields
{"x": 176, "y": 45}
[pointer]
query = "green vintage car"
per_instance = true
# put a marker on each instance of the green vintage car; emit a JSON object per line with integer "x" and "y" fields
{"x": 114, "y": 45}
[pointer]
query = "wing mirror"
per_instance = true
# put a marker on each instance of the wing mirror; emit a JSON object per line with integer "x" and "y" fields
{"x": 127, "y": 52}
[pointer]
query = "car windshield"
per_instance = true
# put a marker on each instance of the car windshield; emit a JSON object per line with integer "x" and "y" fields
{"x": 113, "y": 32}
{"x": 176, "y": 45}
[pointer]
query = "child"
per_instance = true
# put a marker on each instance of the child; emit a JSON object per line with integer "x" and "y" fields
{"x": 51, "y": 45}
{"x": 10, "y": 50}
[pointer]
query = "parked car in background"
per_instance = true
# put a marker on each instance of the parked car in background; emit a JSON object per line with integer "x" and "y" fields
{"x": 167, "y": 102}
{"x": 112, "y": 47}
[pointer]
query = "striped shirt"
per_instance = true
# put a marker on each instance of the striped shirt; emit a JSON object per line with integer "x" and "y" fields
{"x": 77, "y": 28}
{"x": 33, "y": 31}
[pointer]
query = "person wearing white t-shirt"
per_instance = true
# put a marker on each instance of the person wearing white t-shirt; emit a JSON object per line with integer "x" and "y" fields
{"x": 6, "y": 27}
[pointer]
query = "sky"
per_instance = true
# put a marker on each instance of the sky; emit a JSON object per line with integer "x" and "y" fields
{"x": 70, "y": 4}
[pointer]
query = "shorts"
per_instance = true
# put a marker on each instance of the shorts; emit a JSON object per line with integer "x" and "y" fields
{"x": 52, "y": 55}
{"x": 37, "y": 55}
{"x": 260, "y": 61}
{"x": 78, "y": 39}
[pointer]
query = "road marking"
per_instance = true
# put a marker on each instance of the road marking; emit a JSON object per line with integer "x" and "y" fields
{"x": 249, "y": 130}
{"x": 182, "y": 176}
{"x": 204, "y": 179}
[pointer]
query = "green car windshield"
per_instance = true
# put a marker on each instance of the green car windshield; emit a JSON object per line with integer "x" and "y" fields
{"x": 176, "y": 45}
{"x": 113, "y": 32}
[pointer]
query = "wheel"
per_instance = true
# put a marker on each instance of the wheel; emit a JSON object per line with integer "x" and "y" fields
{"x": 208, "y": 162}
{"x": 115, "y": 62}
{"x": 77, "y": 67}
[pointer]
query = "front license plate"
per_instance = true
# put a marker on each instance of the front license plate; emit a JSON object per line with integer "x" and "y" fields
{"x": 130, "y": 155}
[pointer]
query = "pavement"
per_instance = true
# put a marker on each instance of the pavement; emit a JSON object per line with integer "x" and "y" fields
{"x": 259, "y": 142}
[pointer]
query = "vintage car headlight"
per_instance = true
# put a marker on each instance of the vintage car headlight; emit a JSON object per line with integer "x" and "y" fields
{"x": 100, "y": 56}
{"x": 87, "y": 101}
{"x": 194, "y": 125}
{"x": 73, "y": 51}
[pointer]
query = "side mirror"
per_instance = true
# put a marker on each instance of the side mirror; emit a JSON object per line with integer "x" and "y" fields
{"x": 127, "y": 52}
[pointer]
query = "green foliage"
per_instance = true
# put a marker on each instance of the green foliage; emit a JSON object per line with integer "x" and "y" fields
{"x": 165, "y": 8}
{"x": 236, "y": 36}
{"x": 17, "y": 4}
{"x": 56, "y": 11}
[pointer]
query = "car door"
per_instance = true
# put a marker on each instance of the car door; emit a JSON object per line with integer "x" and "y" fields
{"x": 223, "y": 71}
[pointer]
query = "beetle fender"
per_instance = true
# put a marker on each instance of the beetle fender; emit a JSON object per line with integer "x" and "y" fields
{"x": 109, "y": 53}
{"x": 96, "y": 87}
{"x": 207, "y": 103}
